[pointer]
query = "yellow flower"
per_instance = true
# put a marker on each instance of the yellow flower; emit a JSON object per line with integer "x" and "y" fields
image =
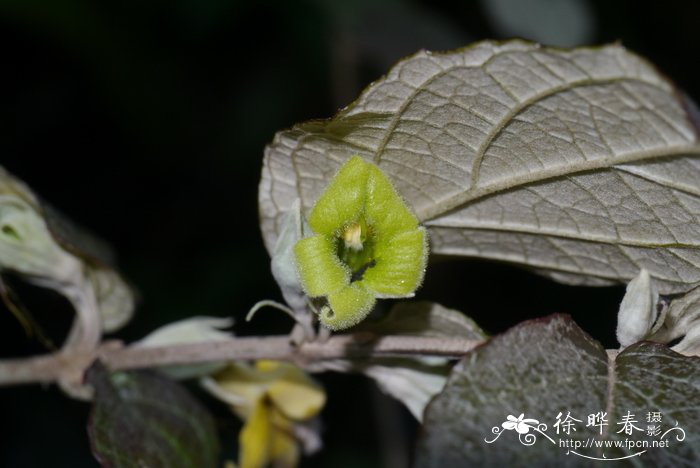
{"x": 271, "y": 397}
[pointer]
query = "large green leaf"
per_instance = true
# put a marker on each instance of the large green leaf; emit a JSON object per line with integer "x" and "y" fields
{"x": 543, "y": 367}
{"x": 580, "y": 163}
{"x": 143, "y": 419}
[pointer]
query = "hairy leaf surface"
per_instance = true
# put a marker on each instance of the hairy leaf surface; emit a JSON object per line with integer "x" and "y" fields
{"x": 549, "y": 366}
{"x": 144, "y": 419}
{"x": 582, "y": 163}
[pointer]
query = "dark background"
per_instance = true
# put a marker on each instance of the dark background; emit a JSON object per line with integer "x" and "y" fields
{"x": 146, "y": 122}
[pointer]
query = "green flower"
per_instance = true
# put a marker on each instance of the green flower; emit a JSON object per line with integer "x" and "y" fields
{"x": 367, "y": 245}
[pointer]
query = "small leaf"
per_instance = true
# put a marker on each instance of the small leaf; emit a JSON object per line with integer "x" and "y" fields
{"x": 413, "y": 381}
{"x": 283, "y": 264}
{"x": 143, "y": 419}
{"x": 681, "y": 320}
{"x": 424, "y": 318}
{"x": 637, "y": 310}
{"x": 200, "y": 329}
{"x": 44, "y": 248}
{"x": 543, "y": 367}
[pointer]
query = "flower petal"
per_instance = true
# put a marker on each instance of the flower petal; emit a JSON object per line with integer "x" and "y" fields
{"x": 348, "y": 307}
{"x": 255, "y": 439}
{"x": 240, "y": 386}
{"x": 294, "y": 393}
{"x": 343, "y": 200}
{"x": 320, "y": 269}
{"x": 400, "y": 264}
{"x": 285, "y": 447}
{"x": 384, "y": 209}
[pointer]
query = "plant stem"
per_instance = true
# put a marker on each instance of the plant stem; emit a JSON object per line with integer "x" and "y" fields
{"x": 49, "y": 368}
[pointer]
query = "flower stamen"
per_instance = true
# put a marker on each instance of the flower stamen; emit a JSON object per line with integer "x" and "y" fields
{"x": 355, "y": 235}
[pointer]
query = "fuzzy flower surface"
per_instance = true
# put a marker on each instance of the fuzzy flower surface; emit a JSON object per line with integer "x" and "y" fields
{"x": 272, "y": 398}
{"x": 367, "y": 245}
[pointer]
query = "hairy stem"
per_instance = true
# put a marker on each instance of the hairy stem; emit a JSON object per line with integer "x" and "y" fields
{"x": 50, "y": 368}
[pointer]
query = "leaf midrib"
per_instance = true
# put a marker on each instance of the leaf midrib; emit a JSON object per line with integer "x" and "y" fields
{"x": 563, "y": 235}
{"x": 460, "y": 199}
